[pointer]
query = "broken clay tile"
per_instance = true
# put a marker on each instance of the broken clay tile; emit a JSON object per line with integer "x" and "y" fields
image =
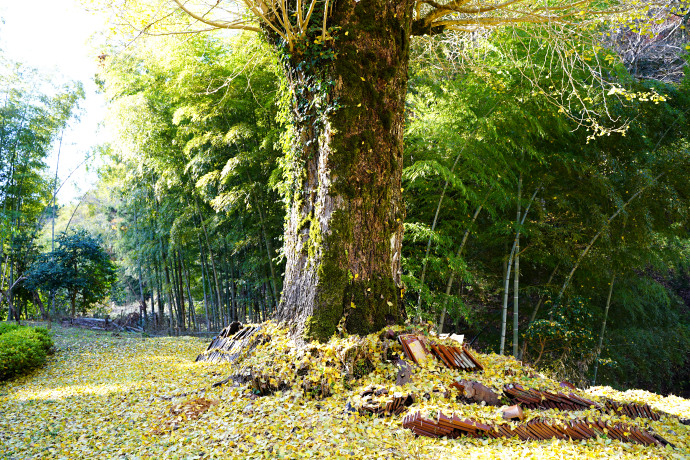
{"x": 513, "y": 412}
{"x": 414, "y": 348}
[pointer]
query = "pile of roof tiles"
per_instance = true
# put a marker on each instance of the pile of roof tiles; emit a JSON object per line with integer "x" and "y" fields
{"x": 228, "y": 345}
{"x": 452, "y": 427}
{"x": 453, "y": 357}
{"x": 632, "y": 410}
{"x": 536, "y": 429}
{"x": 537, "y": 399}
{"x": 395, "y": 404}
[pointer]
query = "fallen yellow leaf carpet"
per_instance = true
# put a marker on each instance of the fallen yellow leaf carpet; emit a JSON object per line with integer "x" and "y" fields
{"x": 129, "y": 397}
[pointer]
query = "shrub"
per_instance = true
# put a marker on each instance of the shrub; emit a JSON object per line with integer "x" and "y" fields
{"x": 44, "y": 337}
{"x": 23, "y": 349}
{"x": 565, "y": 343}
{"x": 8, "y": 327}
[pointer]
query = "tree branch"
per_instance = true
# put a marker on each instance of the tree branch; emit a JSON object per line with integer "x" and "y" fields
{"x": 219, "y": 25}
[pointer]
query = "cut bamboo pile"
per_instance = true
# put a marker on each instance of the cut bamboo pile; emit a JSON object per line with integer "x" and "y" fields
{"x": 535, "y": 430}
{"x": 452, "y": 427}
{"x": 227, "y": 347}
{"x": 414, "y": 348}
{"x": 456, "y": 357}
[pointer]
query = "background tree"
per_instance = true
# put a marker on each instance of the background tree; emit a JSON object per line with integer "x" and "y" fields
{"x": 459, "y": 148}
{"x": 79, "y": 266}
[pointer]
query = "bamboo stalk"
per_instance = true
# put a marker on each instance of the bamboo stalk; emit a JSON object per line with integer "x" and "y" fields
{"x": 451, "y": 278}
{"x": 210, "y": 253}
{"x": 598, "y": 234}
{"x": 603, "y": 328}
{"x": 516, "y": 276}
{"x": 433, "y": 225}
{"x": 507, "y": 278}
{"x": 536, "y": 309}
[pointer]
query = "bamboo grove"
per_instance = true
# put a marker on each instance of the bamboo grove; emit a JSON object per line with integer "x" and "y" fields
{"x": 198, "y": 221}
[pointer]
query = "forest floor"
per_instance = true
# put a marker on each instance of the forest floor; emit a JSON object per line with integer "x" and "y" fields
{"x": 105, "y": 395}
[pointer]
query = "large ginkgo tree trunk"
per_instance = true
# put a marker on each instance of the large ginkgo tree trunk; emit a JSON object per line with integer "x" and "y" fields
{"x": 345, "y": 217}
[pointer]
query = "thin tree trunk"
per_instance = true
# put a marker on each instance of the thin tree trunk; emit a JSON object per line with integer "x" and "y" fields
{"x": 202, "y": 256}
{"x": 175, "y": 288}
{"x": 5, "y": 269}
{"x": 179, "y": 291}
{"x": 266, "y": 294}
{"x": 51, "y": 308}
{"x": 159, "y": 288}
{"x": 266, "y": 301}
{"x": 142, "y": 298}
{"x": 184, "y": 308}
{"x": 603, "y": 329}
{"x": 233, "y": 291}
{"x": 6, "y": 193}
{"x": 268, "y": 245}
{"x": 212, "y": 298}
{"x": 8, "y": 296}
{"x": 10, "y": 307}
{"x": 73, "y": 302}
{"x": 39, "y": 302}
{"x": 171, "y": 299}
{"x": 192, "y": 312}
{"x": 210, "y": 253}
{"x": 506, "y": 293}
{"x": 226, "y": 285}
{"x": 244, "y": 305}
{"x": 516, "y": 288}
{"x": 11, "y": 313}
{"x": 151, "y": 283}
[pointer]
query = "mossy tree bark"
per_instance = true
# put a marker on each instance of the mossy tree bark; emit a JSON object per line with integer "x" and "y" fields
{"x": 345, "y": 218}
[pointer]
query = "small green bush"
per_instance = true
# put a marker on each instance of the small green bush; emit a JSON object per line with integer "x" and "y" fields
{"x": 44, "y": 336}
{"x": 8, "y": 327}
{"x": 23, "y": 349}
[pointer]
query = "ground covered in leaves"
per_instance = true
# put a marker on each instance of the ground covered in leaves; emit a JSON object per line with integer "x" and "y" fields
{"x": 126, "y": 396}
